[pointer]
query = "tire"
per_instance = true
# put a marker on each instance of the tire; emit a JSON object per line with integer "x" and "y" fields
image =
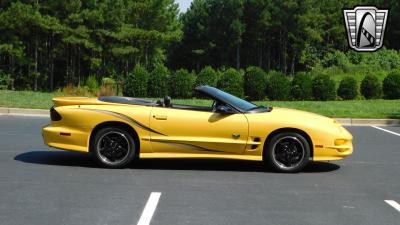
{"x": 113, "y": 147}
{"x": 287, "y": 152}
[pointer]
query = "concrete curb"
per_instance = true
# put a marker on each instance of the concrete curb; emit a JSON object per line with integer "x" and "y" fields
{"x": 368, "y": 122}
{"x": 24, "y": 112}
{"x": 343, "y": 121}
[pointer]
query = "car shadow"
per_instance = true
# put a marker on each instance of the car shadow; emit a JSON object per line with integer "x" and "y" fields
{"x": 73, "y": 159}
{"x": 57, "y": 158}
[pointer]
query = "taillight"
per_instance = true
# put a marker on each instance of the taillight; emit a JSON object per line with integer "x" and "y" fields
{"x": 54, "y": 115}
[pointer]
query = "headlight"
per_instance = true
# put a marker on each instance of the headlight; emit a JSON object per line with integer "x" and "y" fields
{"x": 340, "y": 141}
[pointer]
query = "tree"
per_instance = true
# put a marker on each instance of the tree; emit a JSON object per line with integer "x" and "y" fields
{"x": 207, "y": 76}
{"x": 301, "y": 88}
{"x": 348, "y": 88}
{"x": 53, "y": 43}
{"x": 182, "y": 83}
{"x": 323, "y": 88}
{"x": 212, "y": 35}
{"x": 136, "y": 83}
{"x": 370, "y": 87}
{"x": 391, "y": 85}
{"x": 158, "y": 81}
{"x": 232, "y": 82}
{"x": 287, "y": 36}
{"x": 254, "y": 83}
{"x": 278, "y": 86}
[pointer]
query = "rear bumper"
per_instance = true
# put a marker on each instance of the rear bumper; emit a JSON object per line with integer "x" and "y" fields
{"x": 65, "y": 138}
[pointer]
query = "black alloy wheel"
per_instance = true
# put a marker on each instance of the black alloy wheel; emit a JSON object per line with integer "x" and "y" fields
{"x": 113, "y": 147}
{"x": 287, "y": 152}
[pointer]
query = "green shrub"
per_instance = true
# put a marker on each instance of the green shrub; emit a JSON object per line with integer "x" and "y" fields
{"x": 207, "y": 76}
{"x": 68, "y": 90}
{"x": 354, "y": 57}
{"x": 231, "y": 81}
{"x": 108, "y": 81}
{"x": 182, "y": 83}
{"x": 108, "y": 87}
{"x": 391, "y": 85}
{"x": 371, "y": 87}
{"x": 83, "y": 91}
{"x": 348, "y": 88}
{"x": 384, "y": 59}
{"x": 254, "y": 83}
{"x": 310, "y": 57}
{"x": 71, "y": 90}
{"x": 158, "y": 81}
{"x": 323, "y": 88}
{"x": 92, "y": 84}
{"x": 302, "y": 87}
{"x": 6, "y": 82}
{"x": 278, "y": 87}
{"x": 107, "y": 91}
{"x": 336, "y": 58}
{"x": 136, "y": 82}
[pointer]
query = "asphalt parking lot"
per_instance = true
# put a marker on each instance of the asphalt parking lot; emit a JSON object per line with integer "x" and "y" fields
{"x": 40, "y": 185}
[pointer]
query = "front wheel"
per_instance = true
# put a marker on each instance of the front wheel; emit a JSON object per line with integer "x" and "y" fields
{"x": 113, "y": 147}
{"x": 287, "y": 152}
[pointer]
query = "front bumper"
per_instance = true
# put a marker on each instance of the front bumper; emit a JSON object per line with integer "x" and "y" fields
{"x": 337, "y": 147}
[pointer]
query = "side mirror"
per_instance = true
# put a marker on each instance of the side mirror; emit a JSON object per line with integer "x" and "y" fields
{"x": 224, "y": 109}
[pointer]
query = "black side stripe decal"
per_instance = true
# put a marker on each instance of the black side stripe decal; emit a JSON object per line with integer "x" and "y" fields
{"x": 194, "y": 147}
{"x": 127, "y": 119}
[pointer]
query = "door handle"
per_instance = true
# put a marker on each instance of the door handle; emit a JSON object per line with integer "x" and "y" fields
{"x": 235, "y": 136}
{"x": 160, "y": 117}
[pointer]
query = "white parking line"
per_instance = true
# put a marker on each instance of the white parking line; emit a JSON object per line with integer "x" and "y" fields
{"x": 149, "y": 209}
{"x": 386, "y": 130}
{"x": 394, "y": 204}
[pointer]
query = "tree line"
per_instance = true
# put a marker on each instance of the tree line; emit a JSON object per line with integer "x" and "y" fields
{"x": 45, "y": 44}
{"x": 288, "y": 35}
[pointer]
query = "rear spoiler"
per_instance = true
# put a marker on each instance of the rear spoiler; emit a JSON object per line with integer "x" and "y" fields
{"x": 63, "y": 101}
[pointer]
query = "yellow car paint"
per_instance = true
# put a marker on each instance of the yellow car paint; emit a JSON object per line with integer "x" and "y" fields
{"x": 180, "y": 133}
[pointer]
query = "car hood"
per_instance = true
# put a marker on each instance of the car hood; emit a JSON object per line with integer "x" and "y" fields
{"x": 286, "y": 115}
{"x": 300, "y": 113}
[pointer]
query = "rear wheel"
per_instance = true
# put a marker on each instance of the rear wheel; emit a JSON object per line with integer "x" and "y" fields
{"x": 113, "y": 147}
{"x": 287, "y": 152}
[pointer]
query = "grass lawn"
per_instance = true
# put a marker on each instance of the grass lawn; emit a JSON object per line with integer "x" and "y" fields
{"x": 26, "y": 99}
{"x": 341, "y": 109}
{"x": 346, "y": 109}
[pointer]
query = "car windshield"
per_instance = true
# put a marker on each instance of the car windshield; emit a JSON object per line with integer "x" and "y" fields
{"x": 234, "y": 101}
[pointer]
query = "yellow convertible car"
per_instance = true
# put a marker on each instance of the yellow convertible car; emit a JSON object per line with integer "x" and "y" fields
{"x": 119, "y": 129}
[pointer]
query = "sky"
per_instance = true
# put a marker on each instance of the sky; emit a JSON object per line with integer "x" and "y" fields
{"x": 183, "y": 4}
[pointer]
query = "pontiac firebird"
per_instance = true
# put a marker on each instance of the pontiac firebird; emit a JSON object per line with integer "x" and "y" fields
{"x": 118, "y": 129}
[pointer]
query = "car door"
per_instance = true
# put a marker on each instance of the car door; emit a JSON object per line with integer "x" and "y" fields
{"x": 192, "y": 131}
